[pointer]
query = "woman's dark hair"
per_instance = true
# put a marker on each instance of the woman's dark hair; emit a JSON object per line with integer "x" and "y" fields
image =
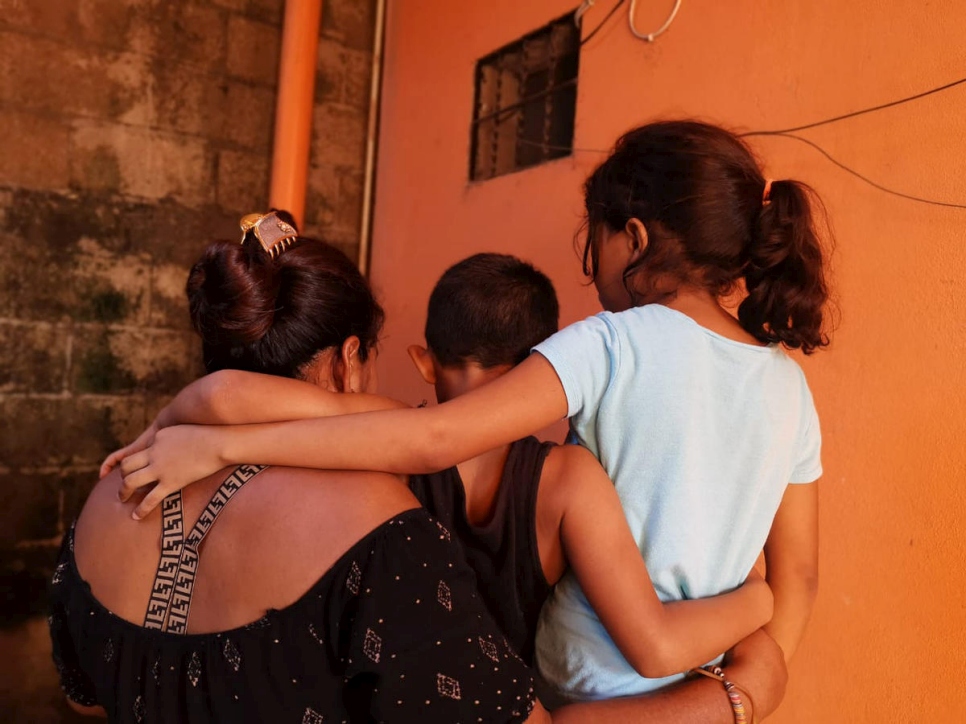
{"x": 274, "y": 315}
{"x": 700, "y": 194}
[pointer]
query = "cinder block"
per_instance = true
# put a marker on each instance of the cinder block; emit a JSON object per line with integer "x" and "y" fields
{"x": 36, "y": 152}
{"x": 109, "y": 288}
{"x": 358, "y": 81}
{"x": 35, "y": 281}
{"x": 53, "y": 18}
{"x": 131, "y": 98}
{"x": 330, "y": 72}
{"x": 253, "y": 49}
{"x": 169, "y": 303}
{"x": 350, "y": 21}
{"x": 44, "y": 75}
{"x": 141, "y": 162}
{"x": 185, "y": 101}
{"x": 338, "y": 137}
{"x": 64, "y": 432}
{"x": 116, "y": 361}
{"x": 322, "y": 197}
{"x": 57, "y": 221}
{"x": 250, "y": 116}
{"x": 267, "y": 11}
{"x": 29, "y": 507}
{"x": 237, "y": 5}
{"x": 349, "y": 215}
{"x": 33, "y": 357}
{"x": 243, "y": 181}
{"x": 108, "y": 22}
{"x": 171, "y": 233}
{"x": 181, "y": 32}
{"x": 270, "y": 11}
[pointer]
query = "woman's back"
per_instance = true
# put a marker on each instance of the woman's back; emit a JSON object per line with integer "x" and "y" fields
{"x": 278, "y": 535}
{"x": 318, "y": 596}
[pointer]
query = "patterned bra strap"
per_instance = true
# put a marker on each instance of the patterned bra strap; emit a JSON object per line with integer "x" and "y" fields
{"x": 174, "y": 583}
{"x": 172, "y": 543}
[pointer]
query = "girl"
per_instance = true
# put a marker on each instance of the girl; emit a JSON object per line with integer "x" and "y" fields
{"x": 699, "y": 418}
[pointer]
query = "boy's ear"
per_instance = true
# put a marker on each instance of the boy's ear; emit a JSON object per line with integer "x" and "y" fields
{"x": 423, "y": 359}
{"x": 637, "y": 234}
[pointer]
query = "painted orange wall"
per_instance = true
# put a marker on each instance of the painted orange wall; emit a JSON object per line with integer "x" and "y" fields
{"x": 889, "y": 631}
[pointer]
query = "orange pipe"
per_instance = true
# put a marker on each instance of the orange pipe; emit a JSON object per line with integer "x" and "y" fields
{"x": 294, "y": 105}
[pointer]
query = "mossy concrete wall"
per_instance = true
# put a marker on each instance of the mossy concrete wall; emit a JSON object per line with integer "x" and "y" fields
{"x": 133, "y": 132}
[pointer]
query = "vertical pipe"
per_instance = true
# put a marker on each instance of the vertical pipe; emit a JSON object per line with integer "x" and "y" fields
{"x": 375, "y": 90}
{"x": 293, "y": 106}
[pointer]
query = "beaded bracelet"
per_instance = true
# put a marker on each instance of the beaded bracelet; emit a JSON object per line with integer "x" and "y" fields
{"x": 734, "y": 697}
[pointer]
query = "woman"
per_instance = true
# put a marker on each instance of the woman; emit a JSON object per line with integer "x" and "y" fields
{"x": 323, "y": 595}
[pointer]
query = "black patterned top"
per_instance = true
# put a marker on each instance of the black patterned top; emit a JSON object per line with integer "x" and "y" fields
{"x": 394, "y": 632}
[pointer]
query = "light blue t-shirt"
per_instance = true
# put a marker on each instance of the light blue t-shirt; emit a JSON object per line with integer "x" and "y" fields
{"x": 700, "y": 435}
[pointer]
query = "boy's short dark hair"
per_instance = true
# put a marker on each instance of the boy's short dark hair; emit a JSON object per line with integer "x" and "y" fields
{"x": 490, "y": 309}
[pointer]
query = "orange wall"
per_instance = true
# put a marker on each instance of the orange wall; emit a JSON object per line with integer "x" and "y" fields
{"x": 889, "y": 631}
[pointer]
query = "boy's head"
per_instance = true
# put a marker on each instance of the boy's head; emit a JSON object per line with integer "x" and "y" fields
{"x": 485, "y": 314}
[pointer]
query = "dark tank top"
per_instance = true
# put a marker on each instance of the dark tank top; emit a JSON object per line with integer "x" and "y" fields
{"x": 503, "y": 551}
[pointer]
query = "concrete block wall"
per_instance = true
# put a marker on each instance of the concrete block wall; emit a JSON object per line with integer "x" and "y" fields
{"x": 131, "y": 133}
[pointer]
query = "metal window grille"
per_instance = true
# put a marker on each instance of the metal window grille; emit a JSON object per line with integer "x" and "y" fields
{"x": 526, "y": 98}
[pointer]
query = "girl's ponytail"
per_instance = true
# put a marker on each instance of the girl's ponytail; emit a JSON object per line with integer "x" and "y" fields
{"x": 785, "y": 272}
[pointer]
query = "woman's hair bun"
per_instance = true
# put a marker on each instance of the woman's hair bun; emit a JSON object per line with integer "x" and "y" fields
{"x": 231, "y": 293}
{"x": 274, "y": 315}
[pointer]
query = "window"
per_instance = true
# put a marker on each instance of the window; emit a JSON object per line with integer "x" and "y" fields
{"x": 526, "y": 98}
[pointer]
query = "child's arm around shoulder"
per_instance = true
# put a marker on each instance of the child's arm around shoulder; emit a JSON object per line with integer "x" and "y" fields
{"x": 656, "y": 639}
{"x": 234, "y": 397}
{"x": 526, "y": 399}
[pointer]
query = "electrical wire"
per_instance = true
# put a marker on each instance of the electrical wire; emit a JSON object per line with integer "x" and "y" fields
{"x": 603, "y": 22}
{"x": 568, "y": 149}
{"x": 651, "y": 37}
{"x": 864, "y": 111}
{"x": 847, "y": 169}
{"x": 790, "y": 133}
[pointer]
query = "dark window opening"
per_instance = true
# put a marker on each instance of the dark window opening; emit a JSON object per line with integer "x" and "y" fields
{"x": 526, "y": 99}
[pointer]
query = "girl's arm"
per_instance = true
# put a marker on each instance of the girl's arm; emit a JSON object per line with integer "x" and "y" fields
{"x": 755, "y": 665}
{"x": 233, "y": 397}
{"x": 791, "y": 560}
{"x": 657, "y": 639}
{"x": 526, "y": 399}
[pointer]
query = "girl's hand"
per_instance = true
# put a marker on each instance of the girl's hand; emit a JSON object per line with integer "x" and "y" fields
{"x": 177, "y": 457}
{"x": 144, "y": 440}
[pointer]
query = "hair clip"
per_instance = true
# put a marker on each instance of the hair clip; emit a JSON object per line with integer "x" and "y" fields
{"x": 274, "y": 234}
{"x": 766, "y": 194}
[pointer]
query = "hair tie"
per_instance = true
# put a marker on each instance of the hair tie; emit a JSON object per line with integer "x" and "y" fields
{"x": 766, "y": 194}
{"x": 272, "y": 233}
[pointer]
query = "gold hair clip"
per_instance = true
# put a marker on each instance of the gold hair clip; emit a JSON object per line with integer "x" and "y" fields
{"x": 272, "y": 233}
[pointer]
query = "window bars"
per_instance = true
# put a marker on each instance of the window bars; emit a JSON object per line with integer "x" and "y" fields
{"x": 526, "y": 98}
